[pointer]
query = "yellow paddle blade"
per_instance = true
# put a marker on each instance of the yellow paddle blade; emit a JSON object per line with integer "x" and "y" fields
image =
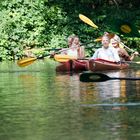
{"x": 110, "y": 35}
{"x": 25, "y": 61}
{"x": 63, "y": 58}
{"x": 98, "y": 39}
{"x": 125, "y": 28}
{"x": 87, "y": 20}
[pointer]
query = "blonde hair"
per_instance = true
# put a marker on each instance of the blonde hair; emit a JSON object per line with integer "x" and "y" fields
{"x": 117, "y": 38}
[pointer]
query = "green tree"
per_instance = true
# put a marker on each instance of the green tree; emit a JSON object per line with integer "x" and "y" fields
{"x": 48, "y": 23}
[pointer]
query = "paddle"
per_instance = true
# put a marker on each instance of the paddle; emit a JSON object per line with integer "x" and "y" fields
{"x": 128, "y": 48}
{"x": 100, "y": 77}
{"x": 110, "y": 35}
{"x": 65, "y": 58}
{"x": 87, "y": 20}
{"x": 27, "y": 61}
{"x": 131, "y": 62}
{"x": 90, "y": 22}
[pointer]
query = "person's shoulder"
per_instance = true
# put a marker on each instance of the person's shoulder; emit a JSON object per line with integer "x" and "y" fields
{"x": 100, "y": 49}
{"x": 122, "y": 50}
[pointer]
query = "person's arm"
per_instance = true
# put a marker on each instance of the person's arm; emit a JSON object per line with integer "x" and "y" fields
{"x": 124, "y": 54}
{"x": 81, "y": 52}
{"x": 133, "y": 55}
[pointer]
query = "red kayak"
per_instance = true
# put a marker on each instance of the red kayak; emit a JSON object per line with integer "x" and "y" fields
{"x": 102, "y": 65}
{"x": 73, "y": 65}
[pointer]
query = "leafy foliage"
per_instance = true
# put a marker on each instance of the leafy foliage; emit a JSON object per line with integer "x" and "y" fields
{"x": 48, "y": 23}
{"x": 22, "y": 25}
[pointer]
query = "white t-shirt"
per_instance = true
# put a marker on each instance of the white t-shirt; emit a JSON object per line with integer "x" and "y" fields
{"x": 108, "y": 54}
{"x": 72, "y": 52}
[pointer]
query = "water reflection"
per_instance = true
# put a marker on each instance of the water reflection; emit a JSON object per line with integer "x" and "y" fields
{"x": 112, "y": 89}
{"x": 37, "y": 103}
{"x": 107, "y": 107}
{"x": 109, "y": 96}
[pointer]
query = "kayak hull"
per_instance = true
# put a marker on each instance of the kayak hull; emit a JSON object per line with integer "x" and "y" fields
{"x": 73, "y": 65}
{"x": 103, "y": 65}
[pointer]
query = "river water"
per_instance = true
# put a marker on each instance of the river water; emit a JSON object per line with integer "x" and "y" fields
{"x": 36, "y": 103}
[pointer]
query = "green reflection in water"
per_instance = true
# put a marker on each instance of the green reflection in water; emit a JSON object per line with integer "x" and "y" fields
{"x": 38, "y": 104}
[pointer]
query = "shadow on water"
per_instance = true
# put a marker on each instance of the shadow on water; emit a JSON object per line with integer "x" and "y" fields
{"x": 36, "y": 103}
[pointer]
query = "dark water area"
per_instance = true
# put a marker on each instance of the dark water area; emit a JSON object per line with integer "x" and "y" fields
{"x": 36, "y": 103}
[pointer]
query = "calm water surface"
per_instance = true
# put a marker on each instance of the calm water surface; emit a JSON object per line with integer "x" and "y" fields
{"x": 36, "y": 103}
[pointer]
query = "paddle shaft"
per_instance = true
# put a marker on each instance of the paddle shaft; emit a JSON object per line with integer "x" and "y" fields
{"x": 123, "y": 78}
{"x": 131, "y": 62}
{"x": 128, "y": 48}
{"x": 58, "y": 49}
